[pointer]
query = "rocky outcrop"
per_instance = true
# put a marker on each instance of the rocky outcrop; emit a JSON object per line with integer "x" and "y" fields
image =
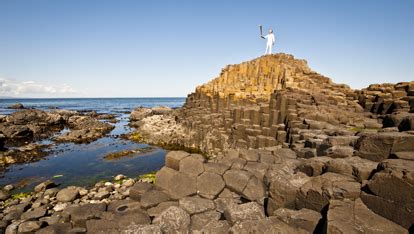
{"x": 282, "y": 136}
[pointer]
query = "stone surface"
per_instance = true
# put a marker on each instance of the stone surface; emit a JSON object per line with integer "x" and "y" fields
{"x": 194, "y": 205}
{"x": 209, "y": 185}
{"x": 237, "y": 180}
{"x": 173, "y": 158}
{"x": 349, "y": 216}
{"x": 153, "y": 197}
{"x": 173, "y": 220}
{"x": 191, "y": 166}
{"x": 248, "y": 211}
{"x": 316, "y": 193}
{"x": 67, "y": 194}
{"x": 303, "y": 219}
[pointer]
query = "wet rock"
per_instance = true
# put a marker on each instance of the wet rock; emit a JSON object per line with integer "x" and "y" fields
{"x": 303, "y": 219}
{"x": 210, "y": 185}
{"x": 194, "y": 205}
{"x": 349, "y": 216}
{"x": 316, "y": 193}
{"x": 16, "y": 131}
{"x": 247, "y": 211}
{"x": 44, "y": 185}
{"x": 173, "y": 220}
{"x": 16, "y": 106}
{"x": 34, "y": 117}
{"x": 67, "y": 194}
{"x": 84, "y": 129}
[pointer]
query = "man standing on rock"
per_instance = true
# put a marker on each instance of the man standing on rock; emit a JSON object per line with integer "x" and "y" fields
{"x": 270, "y": 41}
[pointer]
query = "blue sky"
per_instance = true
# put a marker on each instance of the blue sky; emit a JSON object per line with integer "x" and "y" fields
{"x": 77, "y": 48}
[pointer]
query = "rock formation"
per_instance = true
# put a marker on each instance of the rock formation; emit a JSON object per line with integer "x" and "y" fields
{"x": 281, "y": 136}
{"x": 286, "y": 150}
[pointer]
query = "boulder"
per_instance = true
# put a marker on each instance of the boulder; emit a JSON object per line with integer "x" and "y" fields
{"x": 209, "y": 185}
{"x": 173, "y": 220}
{"x": 316, "y": 193}
{"x": 16, "y": 106}
{"x": 4, "y": 195}
{"x": 44, "y": 185}
{"x": 68, "y": 194}
{"x": 348, "y": 216}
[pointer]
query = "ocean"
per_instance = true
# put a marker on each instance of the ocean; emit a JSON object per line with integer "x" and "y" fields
{"x": 85, "y": 164}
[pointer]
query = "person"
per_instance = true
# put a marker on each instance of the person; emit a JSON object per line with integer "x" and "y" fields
{"x": 270, "y": 41}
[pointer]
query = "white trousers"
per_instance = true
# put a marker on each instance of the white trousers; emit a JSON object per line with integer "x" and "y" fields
{"x": 269, "y": 48}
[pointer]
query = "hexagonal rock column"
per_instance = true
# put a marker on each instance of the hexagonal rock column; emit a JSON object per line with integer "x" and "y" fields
{"x": 316, "y": 193}
{"x": 173, "y": 158}
{"x": 209, "y": 185}
{"x": 177, "y": 184}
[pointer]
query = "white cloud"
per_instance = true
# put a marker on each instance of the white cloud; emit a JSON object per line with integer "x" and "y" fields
{"x": 32, "y": 88}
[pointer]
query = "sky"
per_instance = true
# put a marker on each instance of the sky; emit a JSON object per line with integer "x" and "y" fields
{"x": 128, "y": 48}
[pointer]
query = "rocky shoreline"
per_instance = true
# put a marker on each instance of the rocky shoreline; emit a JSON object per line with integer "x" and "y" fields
{"x": 282, "y": 149}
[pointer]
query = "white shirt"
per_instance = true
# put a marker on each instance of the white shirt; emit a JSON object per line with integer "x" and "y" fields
{"x": 270, "y": 39}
